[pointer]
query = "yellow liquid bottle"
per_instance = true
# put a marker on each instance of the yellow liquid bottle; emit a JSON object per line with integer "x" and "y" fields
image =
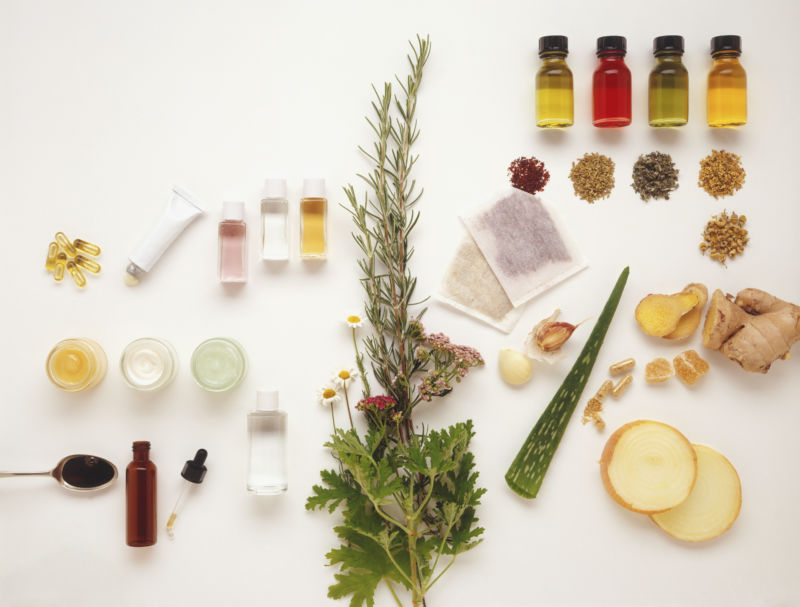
{"x": 554, "y": 97}
{"x": 76, "y": 365}
{"x": 727, "y": 84}
{"x": 313, "y": 220}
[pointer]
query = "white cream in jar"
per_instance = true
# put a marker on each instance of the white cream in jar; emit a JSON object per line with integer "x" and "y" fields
{"x": 149, "y": 363}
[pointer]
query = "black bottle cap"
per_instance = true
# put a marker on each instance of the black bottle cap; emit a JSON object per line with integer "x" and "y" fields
{"x": 193, "y": 469}
{"x": 668, "y": 43}
{"x": 550, "y": 44}
{"x": 720, "y": 44}
{"x": 611, "y": 43}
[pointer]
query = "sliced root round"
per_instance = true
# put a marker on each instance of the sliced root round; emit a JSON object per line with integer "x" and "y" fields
{"x": 713, "y": 504}
{"x": 648, "y": 467}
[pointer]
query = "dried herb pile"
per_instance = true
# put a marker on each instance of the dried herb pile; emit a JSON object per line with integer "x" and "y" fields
{"x": 721, "y": 173}
{"x": 528, "y": 174}
{"x": 654, "y": 176}
{"x": 724, "y": 237}
{"x": 592, "y": 177}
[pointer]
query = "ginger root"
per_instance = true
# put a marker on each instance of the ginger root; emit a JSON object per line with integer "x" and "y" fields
{"x": 661, "y": 315}
{"x": 754, "y": 329}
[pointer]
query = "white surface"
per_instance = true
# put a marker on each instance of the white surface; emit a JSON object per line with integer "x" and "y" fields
{"x": 106, "y": 105}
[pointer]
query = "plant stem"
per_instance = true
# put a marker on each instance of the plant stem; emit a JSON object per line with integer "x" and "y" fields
{"x": 333, "y": 419}
{"x": 347, "y": 402}
{"x": 394, "y": 594}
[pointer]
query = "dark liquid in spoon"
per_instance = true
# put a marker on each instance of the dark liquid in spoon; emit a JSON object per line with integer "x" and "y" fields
{"x": 87, "y": 472}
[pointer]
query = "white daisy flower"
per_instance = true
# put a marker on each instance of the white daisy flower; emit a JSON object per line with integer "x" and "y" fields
{"x": 328, "y": 396}
{"x": 344, "y": 377}
{"x": 354, "y": 321}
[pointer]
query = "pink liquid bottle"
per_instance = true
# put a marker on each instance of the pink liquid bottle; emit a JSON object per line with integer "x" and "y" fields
{"x": 232, "y": 244}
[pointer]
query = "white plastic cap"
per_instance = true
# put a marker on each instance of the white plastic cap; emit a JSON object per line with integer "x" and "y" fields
{"x": 266, "y": 400}
{"x": 314, "y": 188}
{"x": 233, "y": 210}
{"x": 274, "y": 188}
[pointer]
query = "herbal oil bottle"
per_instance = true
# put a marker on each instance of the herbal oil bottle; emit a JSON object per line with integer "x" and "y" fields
{"x": 669, "y": 84}
{"x": 611, "y": 84}
{"x": 554, "y": 103}
{"x": 232, "y": 243}
{"x": 266, "y": 428}
{"x": 140, "y": 497}
{"x": 313, "y": 220}
{"x": 275, "y": 221}
{"x": 727, "y": 84}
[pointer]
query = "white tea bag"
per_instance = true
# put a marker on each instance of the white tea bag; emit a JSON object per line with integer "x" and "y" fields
{"x": 469, "y": 285}
{"x": 524, "y": 243}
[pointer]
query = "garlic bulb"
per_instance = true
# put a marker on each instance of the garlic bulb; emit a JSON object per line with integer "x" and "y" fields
{"x": 515, "y": 367}
{"x": 546, "y": 338}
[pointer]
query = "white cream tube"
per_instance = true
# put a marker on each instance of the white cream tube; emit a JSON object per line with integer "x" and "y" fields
{"x": 182, "y": 209}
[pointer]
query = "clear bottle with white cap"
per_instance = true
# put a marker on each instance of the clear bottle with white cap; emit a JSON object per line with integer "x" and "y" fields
{"x": 275, "y": 221}
{"x": 266, "y": 428}
{"x": 232, "y": 243}
{"x": 313, "y": 220}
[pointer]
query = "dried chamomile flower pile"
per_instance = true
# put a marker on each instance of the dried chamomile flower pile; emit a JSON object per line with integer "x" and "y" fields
{"x": 592, "y": 177}
{"x": 721, "y": 173}
{"x": 72, "y": 256}
{"x": 654, "y": 176}
{"x": 724, "y": 236}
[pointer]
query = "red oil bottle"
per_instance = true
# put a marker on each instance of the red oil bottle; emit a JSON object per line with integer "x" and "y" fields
{"x": 611, "y": 84}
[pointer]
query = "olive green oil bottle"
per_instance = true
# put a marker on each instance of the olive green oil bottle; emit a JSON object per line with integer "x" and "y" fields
{"x": 669, "y": 84}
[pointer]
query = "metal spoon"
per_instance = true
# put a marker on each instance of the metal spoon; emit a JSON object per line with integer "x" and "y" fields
{"x": 78, "y": 473}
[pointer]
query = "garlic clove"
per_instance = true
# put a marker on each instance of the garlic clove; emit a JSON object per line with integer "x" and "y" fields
{"x": 534, "y": 351}
{"x": 515, "y": 368}
{"x": 553, "y": 335}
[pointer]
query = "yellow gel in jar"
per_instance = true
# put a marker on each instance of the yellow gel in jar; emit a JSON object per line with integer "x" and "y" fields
{"x": 77, "y": 364}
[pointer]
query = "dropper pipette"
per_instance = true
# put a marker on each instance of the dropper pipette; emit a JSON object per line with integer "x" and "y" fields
{"x": 193, "y": 473}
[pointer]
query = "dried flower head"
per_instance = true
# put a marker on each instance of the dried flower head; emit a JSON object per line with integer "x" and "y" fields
{"x": 344, "y": 377}
{"x": 354, "y": 321}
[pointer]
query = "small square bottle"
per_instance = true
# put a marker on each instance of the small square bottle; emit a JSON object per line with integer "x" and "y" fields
{"x": 232, "y": 244}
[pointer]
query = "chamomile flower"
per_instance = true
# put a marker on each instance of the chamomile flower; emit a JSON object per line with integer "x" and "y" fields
{"x": 328, "y": 396}
{"x": 344, "y": 377}
{"x": 354, "y": 321}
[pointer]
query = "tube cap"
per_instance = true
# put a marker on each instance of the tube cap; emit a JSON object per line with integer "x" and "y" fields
{"x": 193, "y": 470}
{"x": 729, "y": 42}
{"x": 274, "y": 188}
{"x": 668, "y": 43}
{"x": 233, "y": 210}
{"x": 611, "y": 43}
{"x": 267, "y": 400}
{"x": 550, "y": 44}
{"x": 314, "y": 188}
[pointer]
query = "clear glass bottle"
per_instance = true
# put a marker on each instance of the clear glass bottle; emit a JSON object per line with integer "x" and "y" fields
{"x": 727, "y": 84}
{"x": 611, "y": 84}
{"x": 232, "y": 243}
{"x": 275, "y": 221}
{"x": 313, "y": 220}
{"x": 77, "y": 364}
{"x": 266, "y": 428}
{"x": 668, "y": 86}
{"x": 554, "y": 98}
{"x": 140, "y": 497}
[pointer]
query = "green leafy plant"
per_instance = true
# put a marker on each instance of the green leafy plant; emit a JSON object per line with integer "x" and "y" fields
{"x": 407, "y": 495}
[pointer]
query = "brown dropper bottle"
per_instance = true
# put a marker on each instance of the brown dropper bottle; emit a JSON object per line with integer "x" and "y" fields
{"x": 140, "y": 489}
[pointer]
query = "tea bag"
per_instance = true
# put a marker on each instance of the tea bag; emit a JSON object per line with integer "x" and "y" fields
{"x": 524, "y": 243}
{"x": 469, "y": 285}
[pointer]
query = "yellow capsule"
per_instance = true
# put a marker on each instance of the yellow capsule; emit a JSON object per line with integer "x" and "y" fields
{"x": 621, "y": 386}
{"x": 76, "y": 274}
{"x": 52, "y": 252}
{"x": 86, "y": 247}
{"x": 66, "y": 244}
{"x": 622, "y": 366}
{"x": 60, "y": 265}
{"x": 87, "y": 264}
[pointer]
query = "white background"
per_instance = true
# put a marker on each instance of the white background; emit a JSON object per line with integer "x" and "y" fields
{"x": 106, "y": 104}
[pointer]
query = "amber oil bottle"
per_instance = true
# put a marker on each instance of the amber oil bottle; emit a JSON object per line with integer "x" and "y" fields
{"x": 140, "y": 495}
{"x": 727, "y": 84}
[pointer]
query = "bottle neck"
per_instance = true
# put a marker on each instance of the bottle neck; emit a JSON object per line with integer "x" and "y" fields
{"x": 141, "y": 452}
{"x": 553, "y": 57}
{"x": 726, "y": 56}
{"x": 669, "y": 57}
{"x": 609, "y": 56}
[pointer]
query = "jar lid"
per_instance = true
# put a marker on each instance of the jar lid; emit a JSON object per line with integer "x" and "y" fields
{"x": 668, "y": 43}
{"x": 553, "y": 44}
{"x": 729, "y": 42}
{"x": 611, "y": 43}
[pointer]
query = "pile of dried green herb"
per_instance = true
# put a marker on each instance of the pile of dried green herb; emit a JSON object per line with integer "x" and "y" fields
{"x": 721, "y": 173}
{"x": 592, "y": 177}
{"x": 654, "y": 176}
{"x": 724, "y": 237}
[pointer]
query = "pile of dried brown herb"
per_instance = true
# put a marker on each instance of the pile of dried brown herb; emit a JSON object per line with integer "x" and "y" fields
{"x": 592, "y": 177}
{"x": 724, "y": 237}
{"x": 528, "y": 174}
{"x": 654, "y": 176}
{"x": 721, "y": 173}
